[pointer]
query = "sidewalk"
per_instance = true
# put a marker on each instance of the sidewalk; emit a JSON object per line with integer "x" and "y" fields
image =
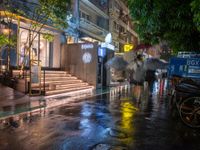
{"x": 14, "y": 104}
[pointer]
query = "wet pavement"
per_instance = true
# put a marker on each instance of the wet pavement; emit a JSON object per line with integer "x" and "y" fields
{"x": 140, "y": 119}
{"x": 13, "y": 102}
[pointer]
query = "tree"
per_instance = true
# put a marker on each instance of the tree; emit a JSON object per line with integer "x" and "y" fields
{"x": 174, "y": 21}
{"x": 39, "y": 14}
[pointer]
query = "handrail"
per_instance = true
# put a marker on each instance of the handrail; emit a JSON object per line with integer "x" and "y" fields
{"x": 44, "y": 82}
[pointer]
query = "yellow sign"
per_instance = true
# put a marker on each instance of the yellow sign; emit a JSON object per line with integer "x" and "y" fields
{"x": 128, "y": 47}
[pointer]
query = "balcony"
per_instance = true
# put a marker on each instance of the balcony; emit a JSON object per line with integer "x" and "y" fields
{"x": 124, "y": 6}
{"x": 97, "y": 10}
{"x": 92, "y": 29}
{"x": 129, "y": 29}
{"x": 114, "y": 13}
{"x": 101, "y": 4}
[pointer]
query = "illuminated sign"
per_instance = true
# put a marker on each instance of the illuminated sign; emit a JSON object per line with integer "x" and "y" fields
{"x": 87, "y": 58}
{"x": 87, "y": 46}
{"x": 108, "y": 46}
{"x": 108, "y": 38}
{"x": 101, "y": 52}
{"x": 128, "y": 47}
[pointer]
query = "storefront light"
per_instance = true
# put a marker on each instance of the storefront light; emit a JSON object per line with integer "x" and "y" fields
{"x": 4, "y": 28}
{"x": 101, "y": 52}
{"x": 6, "y": 31}
{"x": 128, "y": 47}
{"x": 3, "y": 68}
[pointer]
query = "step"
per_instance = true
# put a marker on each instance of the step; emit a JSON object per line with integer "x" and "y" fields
{"x": 47, "y": 72}
{"x": 58, "y": 83}
{"x": 58, "y": 78}
{"x": 56, "y": 75}
{"x": 54, "y": 78}
{"x": 53, "y": 72}
{"x": 62, "y": 86}
{"x": 69, "y": 90}
{"x": 70, "y": 87}
{"x": 63, "y": 82}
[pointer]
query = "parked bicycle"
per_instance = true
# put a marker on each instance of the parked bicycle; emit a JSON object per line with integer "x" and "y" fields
{"x": 186, "y": 97}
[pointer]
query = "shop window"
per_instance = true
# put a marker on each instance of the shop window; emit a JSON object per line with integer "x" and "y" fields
{"x": 44, "y": 51}
{"x": 38, "y": 51}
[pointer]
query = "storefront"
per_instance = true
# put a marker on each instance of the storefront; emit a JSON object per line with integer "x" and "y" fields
{"x": 80, "y": 60}
{"x": 87, "y": 62}
{"x": 105, "y": 52}
{"x": 43, "y": 50}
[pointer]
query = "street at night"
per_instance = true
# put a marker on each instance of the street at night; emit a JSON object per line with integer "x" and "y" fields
{"x": 99, "y": 75}
{"x": 117, "y": 121}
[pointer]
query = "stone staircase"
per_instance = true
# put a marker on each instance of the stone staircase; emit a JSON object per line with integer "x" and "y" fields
{"x": 59, "y": 83}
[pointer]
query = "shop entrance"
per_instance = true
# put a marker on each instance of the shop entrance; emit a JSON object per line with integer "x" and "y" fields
{"x": 104, "y": 55}
{"x": 41, "y": 49}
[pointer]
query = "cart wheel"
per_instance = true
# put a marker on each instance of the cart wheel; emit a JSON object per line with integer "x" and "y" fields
{"x": 190, "y": 111}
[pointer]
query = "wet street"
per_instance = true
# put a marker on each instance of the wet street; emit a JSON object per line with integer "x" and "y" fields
{"x": 140, "y": 119}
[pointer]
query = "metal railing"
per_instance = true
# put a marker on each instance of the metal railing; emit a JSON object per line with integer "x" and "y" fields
{"x": 91, "y": 26}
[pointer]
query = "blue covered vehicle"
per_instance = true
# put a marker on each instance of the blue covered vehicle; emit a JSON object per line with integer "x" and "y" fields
{"x": 184, "y": 67}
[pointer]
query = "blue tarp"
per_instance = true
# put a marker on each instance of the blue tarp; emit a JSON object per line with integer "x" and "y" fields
{"x": 184, "y": 67}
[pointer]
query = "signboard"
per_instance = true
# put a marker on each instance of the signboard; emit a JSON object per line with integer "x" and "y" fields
{"x": 128, "y": 47}
{"x": 108, "y": 46}
{"x": 87, "y": 57}
{"x": 101, "y": 52}
{"x": 184, "y": 67}
{"x": 87, "y": 46}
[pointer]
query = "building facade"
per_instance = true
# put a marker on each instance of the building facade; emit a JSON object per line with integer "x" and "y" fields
{"x": 94, "y": 20}
{"x": 96, "y": 30}
{"x": 23, "y": 30}
{"x": 121, "y": 25}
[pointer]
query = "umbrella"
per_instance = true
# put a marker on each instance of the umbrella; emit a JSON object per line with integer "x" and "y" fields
{"x": 117, "y": 63}
{"x": 154, "y": 63}
{"x": 140, "y": 68}
{"x": 142, "y": 46}
{"x": 132, "y": 66}
{"x": 129, "y": 56}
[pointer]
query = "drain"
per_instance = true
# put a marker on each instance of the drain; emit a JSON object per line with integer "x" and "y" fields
{"x": 118, "y": 148}
{"x": 117, "y": 134}
{"x": 103, "y": 146}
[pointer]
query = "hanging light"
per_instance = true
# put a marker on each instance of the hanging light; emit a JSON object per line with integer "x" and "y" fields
{"x": 4, "y": 28}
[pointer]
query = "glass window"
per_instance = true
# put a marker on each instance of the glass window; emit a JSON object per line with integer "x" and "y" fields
{"x": 23, "y": 47}
{"x": 44, "y": 51}
{"x": 38, "y": 51}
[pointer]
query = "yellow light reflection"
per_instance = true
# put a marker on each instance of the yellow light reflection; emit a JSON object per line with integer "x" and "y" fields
{"x": 128, "y": 111}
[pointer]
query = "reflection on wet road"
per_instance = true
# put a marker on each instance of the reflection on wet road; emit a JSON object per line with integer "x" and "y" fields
{"x": 138, "y": 120}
